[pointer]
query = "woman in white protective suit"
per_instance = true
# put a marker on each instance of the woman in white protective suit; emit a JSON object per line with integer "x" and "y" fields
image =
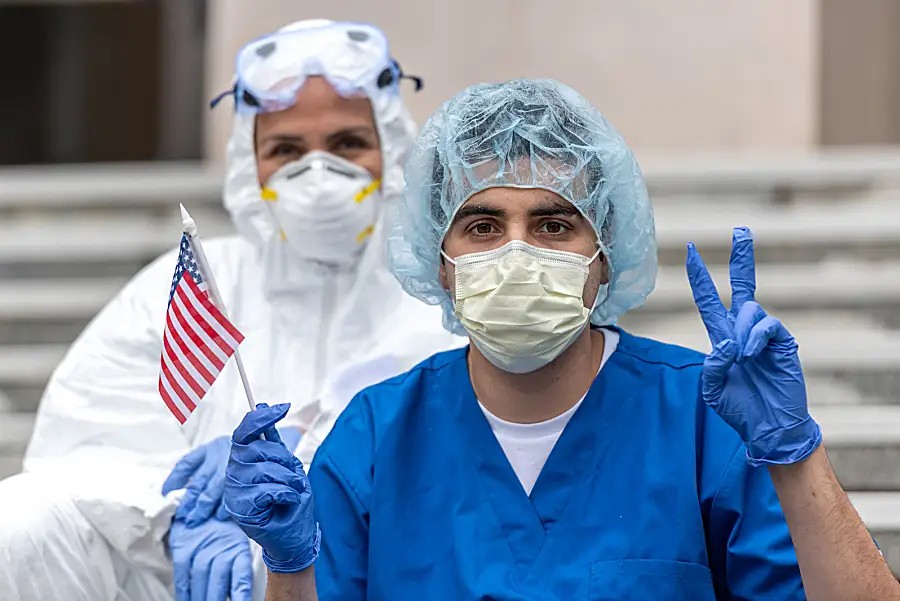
{"x": 115, "y": 491}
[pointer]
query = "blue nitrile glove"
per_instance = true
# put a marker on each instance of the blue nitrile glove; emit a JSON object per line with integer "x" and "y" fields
{"x": 290, "y": 437}
{"x": 752, "y": 378}
{"x": 202, "y": 471}
{"x": 212, "y": 562}
{"x": 268, "y": 495}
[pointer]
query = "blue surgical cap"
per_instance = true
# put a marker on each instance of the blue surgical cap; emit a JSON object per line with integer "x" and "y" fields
{"x": 526, "y": 133}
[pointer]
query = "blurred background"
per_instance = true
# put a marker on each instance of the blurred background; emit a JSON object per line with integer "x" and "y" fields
{"x": 784, "y": 116}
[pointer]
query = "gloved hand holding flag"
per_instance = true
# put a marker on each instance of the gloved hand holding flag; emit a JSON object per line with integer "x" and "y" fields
{"x": 210, "y": 555}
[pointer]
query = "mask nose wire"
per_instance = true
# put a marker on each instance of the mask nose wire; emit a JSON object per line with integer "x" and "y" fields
{"x": 591, "y": 260}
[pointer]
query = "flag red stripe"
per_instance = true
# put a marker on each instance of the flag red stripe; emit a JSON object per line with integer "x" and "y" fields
{"x": 184, "y": 334}
{"x": 198, "y": 319}
{"x": 173, "y": 396}
{"x": 172, "y": 332}
{"x": 177, "y": 389}
{"x": 208, "y": 312}
{"x": 187, "y": 326}
{"x": 197, "y": 341}
{"x": 185, "y": 374}
{"x": 170, "y": 404}
{"x": 214, "y": 311}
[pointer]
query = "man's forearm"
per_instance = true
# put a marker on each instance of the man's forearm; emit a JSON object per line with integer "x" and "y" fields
{"x": 838, "y": 558}
{"x": 300, "y": 586}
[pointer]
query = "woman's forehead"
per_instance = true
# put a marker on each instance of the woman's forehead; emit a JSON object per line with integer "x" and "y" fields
{"x": 319, "y": 110}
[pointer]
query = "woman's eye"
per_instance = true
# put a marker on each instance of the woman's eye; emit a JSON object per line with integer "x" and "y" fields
{"x": 285, "y": 150}
{"x": 352, "y": 143}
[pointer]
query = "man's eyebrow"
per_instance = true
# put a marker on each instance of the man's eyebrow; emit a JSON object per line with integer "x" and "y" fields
{"x": 467, "y": 211}
{"x": 553, "y": 207}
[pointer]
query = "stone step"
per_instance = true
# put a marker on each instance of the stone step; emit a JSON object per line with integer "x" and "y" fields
{"x": 29, "y": 363}
{"x": 15, "y": 431}
{"x": 822, "y": 169}
{"x": 109, "y": 186}
{"x": 75, "y": 240}
{"x": 62, "y": 330}
{"x": 56, "y": 298}
{"x": 824, "y": 390}
{"x": 869, "y": 230}
{"x": 863, "y": 444}
{"x": 830, "y": 341}
{"x": 844, "y": 346}
{"x": 826, "y": 285}
{"x": 881, "y": 513}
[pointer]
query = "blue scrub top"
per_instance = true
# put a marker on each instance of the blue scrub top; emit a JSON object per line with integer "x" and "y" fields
{"x": 647, "y": 495}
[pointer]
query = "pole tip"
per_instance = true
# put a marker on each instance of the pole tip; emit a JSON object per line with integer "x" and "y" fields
{"x": 187, "y": 223}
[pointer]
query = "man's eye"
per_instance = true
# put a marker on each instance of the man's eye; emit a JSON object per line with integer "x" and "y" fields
{"x": 483, "y": 229}
{"x": 554, "y": 227}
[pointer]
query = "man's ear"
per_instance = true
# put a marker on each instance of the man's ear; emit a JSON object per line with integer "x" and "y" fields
{"x": 443, "y": 276}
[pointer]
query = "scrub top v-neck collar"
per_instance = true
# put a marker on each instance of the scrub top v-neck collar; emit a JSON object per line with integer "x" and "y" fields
{"x": 528, "y": 446}
{"x": 525, "y": 521}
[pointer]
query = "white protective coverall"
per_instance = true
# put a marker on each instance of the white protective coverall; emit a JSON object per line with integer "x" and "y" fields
{"x": 86, "y": 520}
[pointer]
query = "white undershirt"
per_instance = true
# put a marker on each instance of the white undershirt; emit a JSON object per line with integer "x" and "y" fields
{"x": 527, "y": 446}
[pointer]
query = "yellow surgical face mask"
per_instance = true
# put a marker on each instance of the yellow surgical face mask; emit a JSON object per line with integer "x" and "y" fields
{"x": 522, "y": 305}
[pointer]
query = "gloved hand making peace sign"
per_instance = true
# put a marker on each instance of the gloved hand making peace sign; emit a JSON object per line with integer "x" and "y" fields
{"x": 752, "y": 378}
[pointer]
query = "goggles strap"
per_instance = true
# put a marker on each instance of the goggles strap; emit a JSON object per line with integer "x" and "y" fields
{"x": 221, "y": 96}
{"x": 235, "y": 91}
{"x": 415, "y": 79}
{"x": 395, "y": 73}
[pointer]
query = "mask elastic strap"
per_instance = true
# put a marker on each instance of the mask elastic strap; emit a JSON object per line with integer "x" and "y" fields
{"x": 597, "y": 299}
{"x": 448, "y": 259}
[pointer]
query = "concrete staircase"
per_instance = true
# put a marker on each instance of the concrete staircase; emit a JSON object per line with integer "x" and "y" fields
{"x": 70, "y": 237}
{"x": 828, "y": 253}
{"x": 827, "y": 233}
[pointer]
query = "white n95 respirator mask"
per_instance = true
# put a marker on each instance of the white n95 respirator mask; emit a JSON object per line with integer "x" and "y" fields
{"x": 522, "y": 305}
{"x": 325, "y": 206}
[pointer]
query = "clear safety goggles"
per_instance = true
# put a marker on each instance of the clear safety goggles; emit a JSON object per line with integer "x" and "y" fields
{"x": 354, "y": 58}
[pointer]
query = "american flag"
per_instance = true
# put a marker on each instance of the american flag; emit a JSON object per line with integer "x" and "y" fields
{"x": 197, "y": 341}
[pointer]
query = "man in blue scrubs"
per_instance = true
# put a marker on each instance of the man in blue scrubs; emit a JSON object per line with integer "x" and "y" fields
{"x": 557, "y": 457}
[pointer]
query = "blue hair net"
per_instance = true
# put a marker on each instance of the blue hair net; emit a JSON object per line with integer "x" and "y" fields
{"x": 531, "y": 134}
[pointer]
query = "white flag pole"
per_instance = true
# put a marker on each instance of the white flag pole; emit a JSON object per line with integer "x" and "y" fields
{"x": 190, "y": 229}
